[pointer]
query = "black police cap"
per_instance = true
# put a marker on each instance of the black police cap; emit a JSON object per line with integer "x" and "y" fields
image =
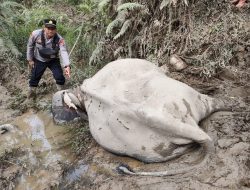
{"x": 49, "y": 23}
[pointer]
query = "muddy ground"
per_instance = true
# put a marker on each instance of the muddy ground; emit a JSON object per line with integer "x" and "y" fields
{"x": 95, "y": 168}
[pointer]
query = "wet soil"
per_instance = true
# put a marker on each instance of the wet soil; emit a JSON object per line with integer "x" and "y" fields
{"x": 228, "y": 168}
{"x": 95, "y": 168}
{"x": 45, "y": 162}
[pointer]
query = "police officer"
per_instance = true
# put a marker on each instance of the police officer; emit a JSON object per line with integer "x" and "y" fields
{"x": 43, "y": 48}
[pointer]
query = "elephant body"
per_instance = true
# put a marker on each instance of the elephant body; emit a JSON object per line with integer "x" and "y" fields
{"x": 134, "y": 109}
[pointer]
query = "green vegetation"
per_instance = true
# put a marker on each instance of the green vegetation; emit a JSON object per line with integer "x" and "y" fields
{"x": 97, "y": 32}
{"x": 9, "y": 14}
{"x": 81, "y": 27}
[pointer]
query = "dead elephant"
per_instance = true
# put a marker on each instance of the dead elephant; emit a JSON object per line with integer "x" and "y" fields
{"x": 134, "y": 109}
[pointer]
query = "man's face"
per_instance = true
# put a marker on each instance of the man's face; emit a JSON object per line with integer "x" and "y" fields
{"x": 49, "y": 32}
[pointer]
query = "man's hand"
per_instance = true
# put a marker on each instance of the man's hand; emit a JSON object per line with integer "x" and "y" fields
{"x": 31, "y": 64}
{"x": 67, "y": 71}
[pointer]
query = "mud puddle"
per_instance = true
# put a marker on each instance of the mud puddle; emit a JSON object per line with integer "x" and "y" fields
{"x": 44, "y": 150}
{"x": 46, "y": 161}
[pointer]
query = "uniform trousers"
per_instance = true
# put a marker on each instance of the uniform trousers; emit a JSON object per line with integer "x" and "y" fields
{"x": 40, "y": 67}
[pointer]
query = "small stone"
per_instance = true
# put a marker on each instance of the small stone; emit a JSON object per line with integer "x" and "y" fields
{"x": 177, "y": 63}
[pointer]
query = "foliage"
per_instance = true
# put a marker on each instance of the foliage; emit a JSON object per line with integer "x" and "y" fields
{"x": 130, "y": 7}
{"x": 94, "y": 24}
{"x": 9, "y": 13}
{"x": 97, "y": 32}
{"x": 74, "y": 2}
{"x": 155, "y": 30}
{"x": 103, "y": 4}
{"x": 124, "y": 29}
{"x": 165, "y": 3}
{"x": 129, "y": 17}
{"x": 80, "y": 39}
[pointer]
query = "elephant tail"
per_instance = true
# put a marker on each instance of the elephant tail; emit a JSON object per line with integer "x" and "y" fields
{"x": 207, "y": 151}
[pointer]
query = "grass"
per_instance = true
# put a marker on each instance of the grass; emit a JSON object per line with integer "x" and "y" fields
{"x": 8, "y": 157}
{"x": 80, "y": 137}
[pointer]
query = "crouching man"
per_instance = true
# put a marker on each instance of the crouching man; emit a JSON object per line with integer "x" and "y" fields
{"x": 43, "y": 50}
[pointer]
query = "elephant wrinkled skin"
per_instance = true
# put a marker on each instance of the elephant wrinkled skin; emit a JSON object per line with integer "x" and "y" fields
{"x": 134, "y": 109}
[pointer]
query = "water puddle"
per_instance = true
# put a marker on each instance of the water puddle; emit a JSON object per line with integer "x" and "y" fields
{"x": 76, "y": 173}
{"x": 47, "y": 161}
{"x": 45, "y": 146}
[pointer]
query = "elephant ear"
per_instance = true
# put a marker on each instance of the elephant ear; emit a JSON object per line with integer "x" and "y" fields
{"x": 61, "y": 112}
